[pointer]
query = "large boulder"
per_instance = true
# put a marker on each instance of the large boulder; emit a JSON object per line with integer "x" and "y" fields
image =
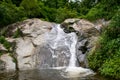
{"x": 24, "y": 51}
{"x": 84, "y": 27}
{"x": 32, "y": 35}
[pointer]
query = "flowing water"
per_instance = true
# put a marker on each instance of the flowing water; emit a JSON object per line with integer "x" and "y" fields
{"x": 61, "y": 53}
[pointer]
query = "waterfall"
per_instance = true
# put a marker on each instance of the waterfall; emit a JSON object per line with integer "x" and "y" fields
{"x": 62, "y": 47}
{"x": 58, "y": 39}
{"x": 72, "y": 47}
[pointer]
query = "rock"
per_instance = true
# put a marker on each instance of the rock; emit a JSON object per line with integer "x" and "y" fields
{"x": 84, "y": 27}
{"x": 92, "y": 40}
{"x": 39, "y": 40}
{"x": 24, "y": 51}
{"x": 8, "y": 63}
{"x": 71, "y": 21}
{"x": 10, "y": 40}
{"x": 35, "y": 27}
{"x": 100, "y": 24}
{"x": 2, "y": 65}
{"x": 33, "y": 31}
{"x": 81, "y": 52}
{"x": 2, "y": 48}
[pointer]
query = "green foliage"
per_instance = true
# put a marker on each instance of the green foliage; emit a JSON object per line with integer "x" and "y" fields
{"x": 17, "y": 33}
{"x": 106, "y": 56}
{"x": 85, "y": 6}
{"x": 95, "y": 13}
{"x": 55, "y": 3}
{"x": 103, "y": 10}
{"x": 48, "y": 14}
{"x": 5, "y": 43}
{"x": 56, "y": 10}
{"x": 9, "y": 13}
{"x": 7, "y": 1}
{"x": 111, "y": 67}
{"x": 64, "y": 13}
{"x": 17, "y": 2}
{"x": 31, "y": 8}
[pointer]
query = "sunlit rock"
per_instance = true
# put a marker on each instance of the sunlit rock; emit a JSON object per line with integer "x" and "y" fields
{"x": 24, "y": 51}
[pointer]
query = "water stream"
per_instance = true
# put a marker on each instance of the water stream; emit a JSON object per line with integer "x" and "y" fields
{"x": 63, "y": 48}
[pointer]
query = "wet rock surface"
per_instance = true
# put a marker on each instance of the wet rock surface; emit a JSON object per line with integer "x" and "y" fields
{"x": 87, "y": 33}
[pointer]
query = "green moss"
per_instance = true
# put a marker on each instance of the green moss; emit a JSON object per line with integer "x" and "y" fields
{"x": 5, "y": 43}
{"x": 17, "y": 33}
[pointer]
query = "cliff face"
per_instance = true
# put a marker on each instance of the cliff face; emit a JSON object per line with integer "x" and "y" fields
{"x": 29, "y": 36}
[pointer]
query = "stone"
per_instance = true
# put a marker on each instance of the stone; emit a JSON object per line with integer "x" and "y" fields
{"x": 84, "y": 27}
{"x": 92, "y": 41}
{"x": 24, "y": 51}
{"x": 39, "y": 40}
{"x": 71, "y": 21}
{"x": 35, "y": 27}
{"x": 100, "y": 24}
{"x": 2, "y": 65}
{"x": 2, "y": 47}
{"x": 8, "y": 62}
{"x": 10, "y": 40}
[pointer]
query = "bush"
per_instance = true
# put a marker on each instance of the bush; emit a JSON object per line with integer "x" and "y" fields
{"x": 64, "y": 13}
{"x": 48, "y": 14}
{"x": 9, "y": 13}
{"x": 111, "y": 67}
{"x": 95, "y": 13}
{"x": 103, "y": 10}
{"x": 31, "y": 8}
{"x": 106, "y": 57}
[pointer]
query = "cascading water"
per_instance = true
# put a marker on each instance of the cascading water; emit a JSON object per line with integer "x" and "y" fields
{"x": 62, "y": 47}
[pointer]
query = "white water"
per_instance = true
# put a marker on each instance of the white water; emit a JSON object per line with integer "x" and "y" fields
{"x": 58, "y": 38}
{"x": 72, "y": 47}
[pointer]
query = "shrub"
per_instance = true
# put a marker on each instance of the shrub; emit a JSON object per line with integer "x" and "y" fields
{"x": 106, "y": 57}
{"x": 95, "y": 13}
{"x": 103, "y": 10}
{"x": 48, "y": 14}
{"x": 31, "y": 8}
{"x": 9, "y": 13}
{"x": 64, "y": 13}
{"x": 111, "y": 67}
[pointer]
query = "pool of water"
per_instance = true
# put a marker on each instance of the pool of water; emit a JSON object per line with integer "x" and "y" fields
{"x": 44, "y": 74}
